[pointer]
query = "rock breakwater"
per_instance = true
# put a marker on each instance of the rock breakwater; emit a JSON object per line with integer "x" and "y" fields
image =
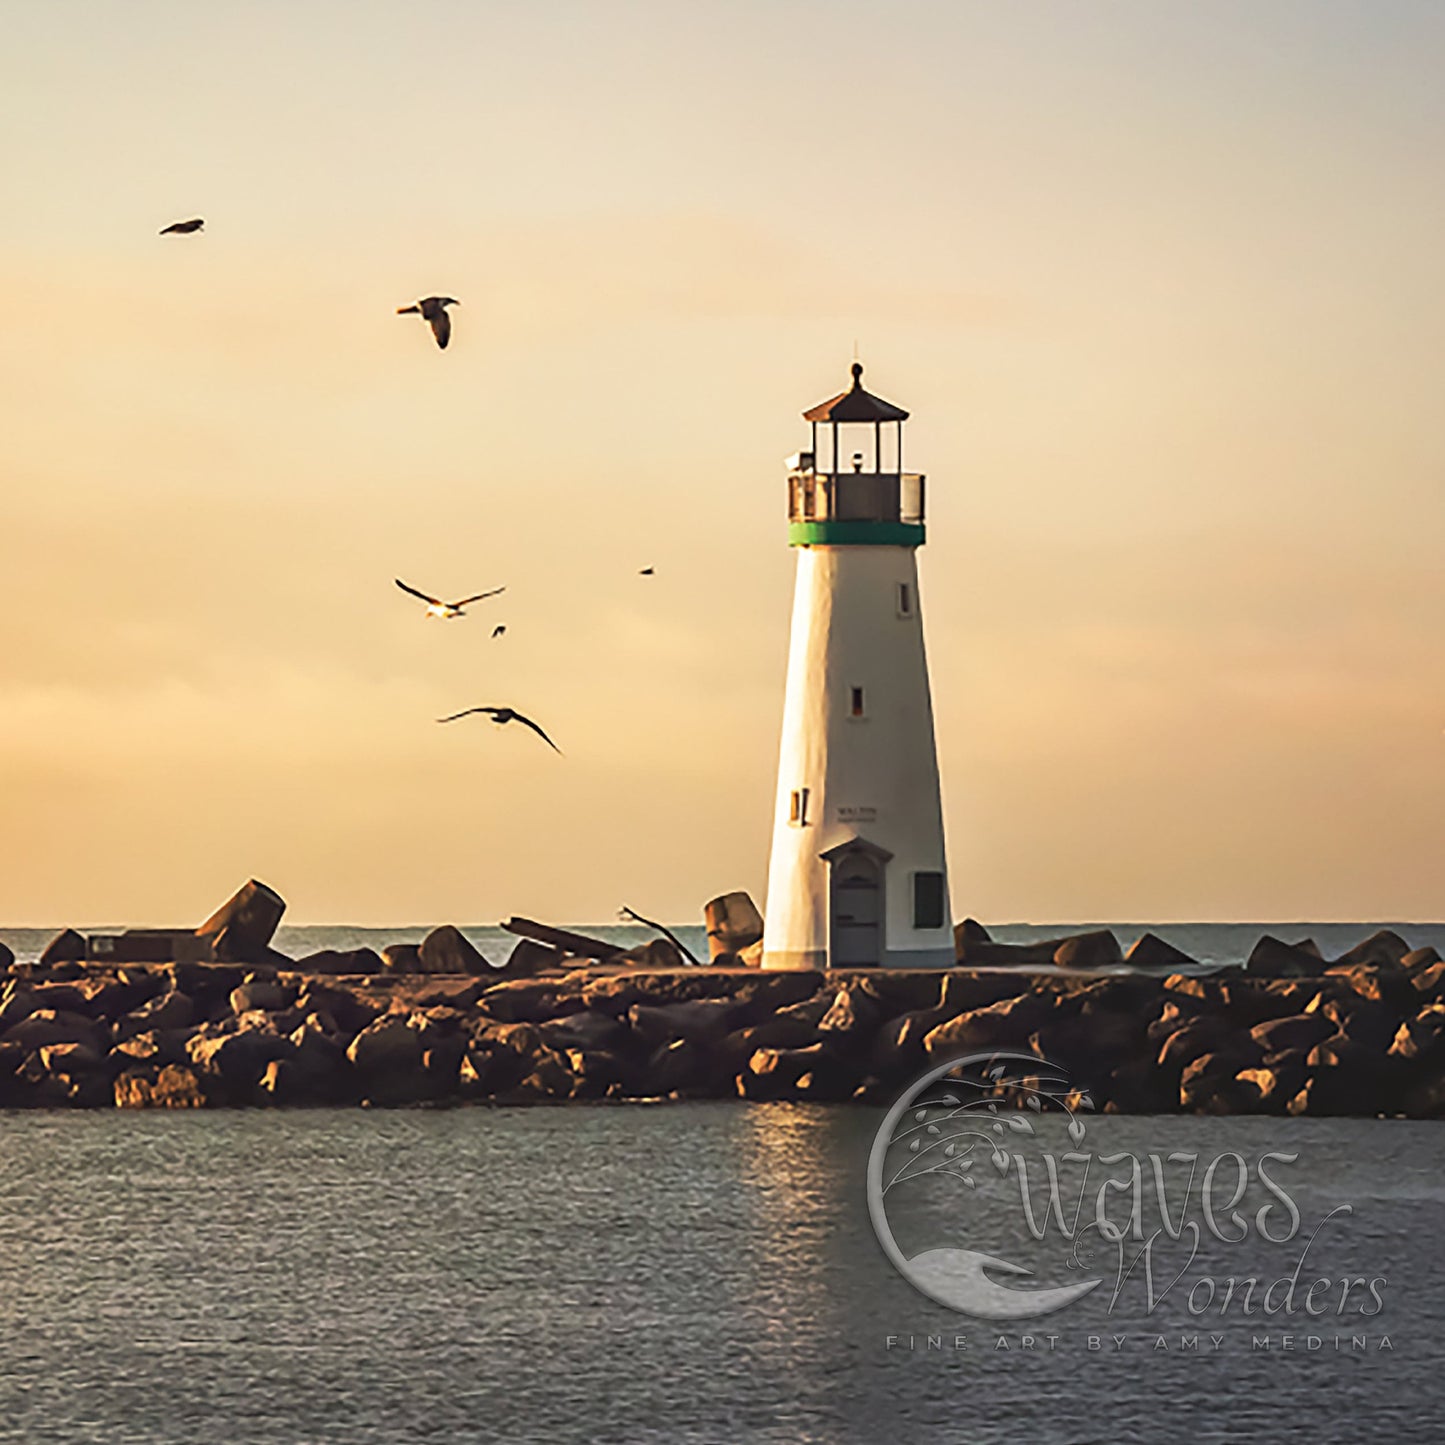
{"x": 1365, "y": 1036}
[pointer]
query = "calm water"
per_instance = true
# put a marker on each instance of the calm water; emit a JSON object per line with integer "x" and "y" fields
{"x": 681, "y": 1273}
{"x": 1210, "y": 943}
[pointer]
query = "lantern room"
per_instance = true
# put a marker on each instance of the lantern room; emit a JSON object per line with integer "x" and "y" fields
{"x": 850, "y": 489}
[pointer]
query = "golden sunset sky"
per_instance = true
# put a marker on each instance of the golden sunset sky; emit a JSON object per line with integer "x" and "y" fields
{"x": 1161, "y": 284}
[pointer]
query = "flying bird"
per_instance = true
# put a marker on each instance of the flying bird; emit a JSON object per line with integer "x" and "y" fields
{"x": 183, "y": 228}
{"x": 499, "y": 629}
{"x": 435, "y": 607}
{"x": 501, "y": 715}
{"x": 433, "y": 309}
{"x": 646, "y": 572}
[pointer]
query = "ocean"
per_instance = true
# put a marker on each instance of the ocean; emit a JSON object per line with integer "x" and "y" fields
{"x": 1211, "y": 944}
{"x": 686, "y": 1274}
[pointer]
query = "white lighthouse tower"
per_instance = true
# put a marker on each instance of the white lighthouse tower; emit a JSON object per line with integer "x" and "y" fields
{"x": 857, "y": 876}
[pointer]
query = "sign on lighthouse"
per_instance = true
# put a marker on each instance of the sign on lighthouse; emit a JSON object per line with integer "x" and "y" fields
{"x": 857, "y": 876}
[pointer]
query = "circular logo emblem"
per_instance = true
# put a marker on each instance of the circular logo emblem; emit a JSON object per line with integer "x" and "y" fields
{"x": 966, "y": 1153}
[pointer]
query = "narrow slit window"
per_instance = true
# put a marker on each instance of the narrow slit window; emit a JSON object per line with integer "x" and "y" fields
{"x": 905, "y": 600}
{"x": 855, "y": 702}
{"x": 798, "y": 807}
{"x": 928, "y": 900}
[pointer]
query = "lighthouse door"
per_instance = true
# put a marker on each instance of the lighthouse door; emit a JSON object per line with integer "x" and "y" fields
{"x": 856, "y": 899}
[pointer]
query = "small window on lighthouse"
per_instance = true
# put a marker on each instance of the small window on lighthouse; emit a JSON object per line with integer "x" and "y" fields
{"x": 928, "y": 900}
{"x": 905, "y": 600}
{"x": 855, "y": 702}
{"x": 798, "y": 807}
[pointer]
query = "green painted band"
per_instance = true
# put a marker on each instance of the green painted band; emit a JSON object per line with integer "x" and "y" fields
{"x": 855, "y": 534}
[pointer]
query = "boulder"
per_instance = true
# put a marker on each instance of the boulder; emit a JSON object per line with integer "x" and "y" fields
{"x": 894, "y": 991}
{"x": 528, "y": 1001}
{"x": 814, "y": 1072}
{"x": 7, "y": 957}
{"x": 390, "y": 1046}
{"x": 476, "y": 1078}
{"x": 343, "y": 961}
{"x": 752, "y": 955}
{"x": 1298, "y": 1031}
{"x": 158, "y": 1047}
{"x": 733, "y": 924}
{"x": 1419, "y": 959}
{"x": 1246, "y": 1002}
{"x": 852, "y": 1016}
{"x": 112, "y": 998}
{"x": 1345, "y": 1079}
{"x": 347, "y": 1012}
{"x": 1210, "y": 1085}
{"x": 1153, "y": 953}
{"x": 1171, "y": 1017}
{"x": 780, "y": 1032}
{"x": 207, "y": 985}
{"x": 171, "y": 1010}
{"x": 597, "y": 1072}
{"x": 1384, "y": 949}
{"x": 960, "y": 991}
{"x": 1392, "y": 986}
{"x": 241, "y": 929}
{"x": 173, "y": 1087}
{"x": 401, "y": 958}
{"x": 447, "y": 950}
{"x": 74, "y": 1059}
{"x": 67, "y": 946}
{"x": 705, "y": 1020}
{"x": 234, "y": 1062}
{"x": 529, "y": 958}
{"x": 265, "y": 994}
{"x": 1421, "y": 1038}
{"x": 1273, "y": 958}
{"x": 55, "y": 1026}
{"x": 898, "y": 1051}
{"x": 598, "y": 1032}
{"x": 659, "y": 954}
{"x": 549, "y": 1077}
{"x": 683, "y": 1067}
{"x": 1137, "y": 1087}
{"x": 1007, "y": 955}
{"x": 1006, "y": 1024}
{"x": 18, "y": 1001}
{"x": 968, "y": 933}
{"x": 441, "y": 1058}
{"x": 1092, "y": 1040}
{"x": 1268, "y": 1089}
{"x": 1089, "y": 950}
{"x": 1362, "y": 1021}
{"x": 1193, "y": 1039}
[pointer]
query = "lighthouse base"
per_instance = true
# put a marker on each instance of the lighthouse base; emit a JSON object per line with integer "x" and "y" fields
{"x": 816, "y": 959}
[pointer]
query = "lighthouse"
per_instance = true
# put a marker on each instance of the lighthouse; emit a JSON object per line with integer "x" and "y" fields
{"x": 857, "y": 876}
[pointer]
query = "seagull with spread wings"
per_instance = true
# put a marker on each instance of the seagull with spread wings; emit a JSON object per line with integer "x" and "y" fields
{"x": 500, "y": 715}
{"x": 433, "y": 309}
{"x": 435, "y": 607}
{"x": 183, "y": 228}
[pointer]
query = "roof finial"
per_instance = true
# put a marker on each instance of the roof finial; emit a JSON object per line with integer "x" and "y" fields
{"x": 857, "y": 375}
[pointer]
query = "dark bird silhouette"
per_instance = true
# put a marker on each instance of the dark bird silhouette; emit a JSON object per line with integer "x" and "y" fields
{"x": 499, "y": 629}
{"x": 183, "y": 228}
{"x": 435, "y": 607}
{"x": 501, "y": 715}
{"x": 433, "y": 309}
{"x": 646, "y": 572}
